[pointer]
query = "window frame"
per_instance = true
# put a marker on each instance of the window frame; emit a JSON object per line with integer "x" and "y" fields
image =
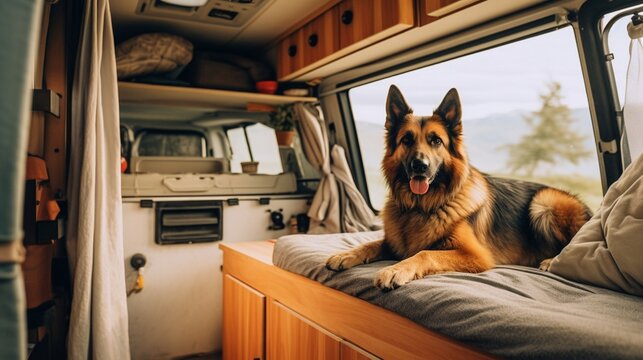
{"x": 588, "y": 41}
{"x": 140, "y": 133}
{"x": 605, "y": 111}
{"x": 492, "y": 41}
{"x": 244, "y": 125}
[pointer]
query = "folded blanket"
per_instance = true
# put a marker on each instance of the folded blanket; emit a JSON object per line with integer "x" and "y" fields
{"x": 608, "y": 250}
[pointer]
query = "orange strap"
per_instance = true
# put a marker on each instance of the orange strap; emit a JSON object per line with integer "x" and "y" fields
{"x": 46, "y": 207}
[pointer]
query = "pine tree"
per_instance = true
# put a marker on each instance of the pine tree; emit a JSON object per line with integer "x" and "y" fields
{"x": 551, "y": 138}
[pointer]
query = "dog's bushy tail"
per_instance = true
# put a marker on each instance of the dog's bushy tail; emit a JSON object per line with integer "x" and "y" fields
{"x": 557, "y": 216}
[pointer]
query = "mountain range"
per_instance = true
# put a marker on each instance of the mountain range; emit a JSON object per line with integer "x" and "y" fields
{"x": 484, "y": 139}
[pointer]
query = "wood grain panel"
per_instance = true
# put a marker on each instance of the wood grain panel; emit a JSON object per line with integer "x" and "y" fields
{"x": 37, "y": 125}
{"x": 349, "y": 351}
{"x": 373, "y": 17}
{"x": 431, "y": 10}
{"x": 345, "y": 316}
{"x": 373, "y": 21}
{"x": 291, "y": 54}
{"x": 139, "y": 93}
{"x": 243, "y": 321}
{"x": 324, "y": 28}
{"x": 55, "y": 141}
{"x": 291, "y": 337}
{"x": 362, "y": 24}
{"x": 326, "y": 5}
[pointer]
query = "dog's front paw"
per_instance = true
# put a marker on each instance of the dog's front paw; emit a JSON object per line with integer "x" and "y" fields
{"x": 392, "y": 277}
{"x": 545, "y": 264}
{"x": 343, "y": 261}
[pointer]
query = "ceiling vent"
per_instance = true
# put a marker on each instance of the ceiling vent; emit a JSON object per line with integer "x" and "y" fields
{"x": 235, "y": 13}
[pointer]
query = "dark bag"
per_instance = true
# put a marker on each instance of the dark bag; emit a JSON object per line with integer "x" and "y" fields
{"x": 226, "y": 71}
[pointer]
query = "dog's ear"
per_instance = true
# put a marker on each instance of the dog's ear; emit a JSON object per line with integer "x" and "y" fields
{"x": 450, "y": 109}
{"x": 396, "y": 110}
{"x": 396, "y": 107}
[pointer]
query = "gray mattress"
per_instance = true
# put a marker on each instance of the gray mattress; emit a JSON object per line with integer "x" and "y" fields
{"x": 509, "y": 311}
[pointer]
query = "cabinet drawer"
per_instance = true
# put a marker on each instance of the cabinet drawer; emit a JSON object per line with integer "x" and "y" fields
{"x": 365, "y": 22}
{"x": 291, "y": 337}
{"x": 243, "y": 321}
{"x": 320, "y": 37}
{"x": 349, "y": 351}
{"x": 291, "y": 54}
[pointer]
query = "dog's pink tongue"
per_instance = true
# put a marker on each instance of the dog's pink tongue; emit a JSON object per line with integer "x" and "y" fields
{"x": 419, "y": 185}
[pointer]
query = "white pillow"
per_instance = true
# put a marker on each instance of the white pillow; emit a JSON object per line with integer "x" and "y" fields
{"x": 608, "y": 250}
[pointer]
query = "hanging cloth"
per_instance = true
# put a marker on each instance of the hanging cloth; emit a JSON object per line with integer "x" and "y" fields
{"x": 98, "y": 325}
{"x": 633, "y": 108}
{"x": 337, "y": 206}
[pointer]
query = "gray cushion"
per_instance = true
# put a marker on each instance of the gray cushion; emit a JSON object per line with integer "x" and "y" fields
{"x": 509, "y": 311}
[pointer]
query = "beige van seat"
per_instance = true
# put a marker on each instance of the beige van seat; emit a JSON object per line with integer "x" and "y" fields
{"x": 178, "y": 165}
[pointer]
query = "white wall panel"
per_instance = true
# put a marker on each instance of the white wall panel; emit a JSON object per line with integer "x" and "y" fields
{"x": 179, "y": 311}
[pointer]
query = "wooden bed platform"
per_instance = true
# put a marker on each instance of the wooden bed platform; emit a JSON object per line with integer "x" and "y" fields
{"x": 270, "y": 313}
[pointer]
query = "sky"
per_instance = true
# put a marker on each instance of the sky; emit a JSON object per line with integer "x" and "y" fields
{"x": 500, "y": 80}
{"x": 504, "y": 80}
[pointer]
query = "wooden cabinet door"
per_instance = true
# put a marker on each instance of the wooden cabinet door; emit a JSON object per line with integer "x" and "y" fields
{"x": 291, "y": 337}
{"x": 445, "y": 7}
{"x": 291, "y": 54}
{"x": 373, "y": 20}
{"x": 349, "y": 351}
{"x": 320, "y": 37}
{"x": 243, "y": 321}
{"x": 431, "y": 10}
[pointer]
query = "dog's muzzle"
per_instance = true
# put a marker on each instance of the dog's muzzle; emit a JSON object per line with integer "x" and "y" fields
{"x": 419, "y": 166}
{"x": 418, "y": 176}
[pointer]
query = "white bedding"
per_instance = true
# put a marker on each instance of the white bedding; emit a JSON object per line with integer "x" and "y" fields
{"x": 608, "y": 250}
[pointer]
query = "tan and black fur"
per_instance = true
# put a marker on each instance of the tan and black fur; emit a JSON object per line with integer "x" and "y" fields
{"x": 466, "y": 220}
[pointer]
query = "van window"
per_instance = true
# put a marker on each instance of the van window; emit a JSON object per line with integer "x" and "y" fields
{"x": 171, "y": 143}
{"x": 525, "y": 114}
{"x": 619, "y": 47}
{"x": 263, "y": 145}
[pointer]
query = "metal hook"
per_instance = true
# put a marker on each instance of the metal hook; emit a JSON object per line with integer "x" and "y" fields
{"x": 637, "y": 19}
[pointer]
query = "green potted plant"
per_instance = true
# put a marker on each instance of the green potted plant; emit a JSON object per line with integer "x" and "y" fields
{"x": 283, "y": 121}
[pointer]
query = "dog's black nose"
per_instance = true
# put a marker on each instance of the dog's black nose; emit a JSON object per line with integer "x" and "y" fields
{"x": 419, "y": 166}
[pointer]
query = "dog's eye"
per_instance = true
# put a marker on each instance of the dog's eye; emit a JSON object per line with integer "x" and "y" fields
{"x": 407, "y": 140}
{"x": 436, "y": 141}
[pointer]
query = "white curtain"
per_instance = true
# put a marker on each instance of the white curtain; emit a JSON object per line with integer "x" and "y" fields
{"x": 338, "y": 206}
{"x": 98, "y": 323}
{"x": 633, "y": 108}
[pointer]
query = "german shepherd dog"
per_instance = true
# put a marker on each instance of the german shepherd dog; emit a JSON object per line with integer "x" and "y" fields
{"x": 444, "y": 215}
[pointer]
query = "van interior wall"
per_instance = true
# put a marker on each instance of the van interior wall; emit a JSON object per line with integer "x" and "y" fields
{"x": 47, "y": 278}
{"x": 179, "y": 311}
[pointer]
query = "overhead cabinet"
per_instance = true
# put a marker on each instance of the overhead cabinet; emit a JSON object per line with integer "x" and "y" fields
{"x": 321, "y": 38}
{"x": 365, "y": 22}
{"x": 431, "y": 10}
{"x": 437, "y": 8}
{"x": 290, "y": 56}
{"x": 348, "y": 26}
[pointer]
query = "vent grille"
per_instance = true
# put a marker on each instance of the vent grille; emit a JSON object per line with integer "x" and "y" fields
{"x": 188, "y": 222}
{"x": 233, "y": 13}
